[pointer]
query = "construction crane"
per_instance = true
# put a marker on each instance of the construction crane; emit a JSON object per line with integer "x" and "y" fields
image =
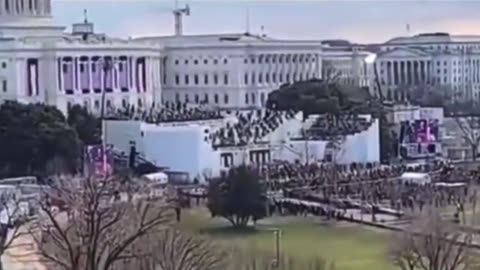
{"x": 178, "y": 15}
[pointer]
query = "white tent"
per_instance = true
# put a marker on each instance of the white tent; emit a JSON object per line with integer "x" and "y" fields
{"x": 158, "y": 177}
{"x": 417, "y": 178}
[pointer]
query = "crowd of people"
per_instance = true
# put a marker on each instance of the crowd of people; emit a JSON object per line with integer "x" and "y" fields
{"x": 357, "y": 185}
{"x": 250, "y": 127}
{"x": 330, "y": 126}
{"x": 168, "y": 113}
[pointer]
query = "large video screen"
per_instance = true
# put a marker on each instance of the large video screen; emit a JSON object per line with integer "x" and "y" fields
{"x": 419, "y": 131}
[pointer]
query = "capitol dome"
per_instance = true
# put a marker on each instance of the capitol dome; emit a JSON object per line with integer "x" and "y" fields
{"x": 27, "y": 18}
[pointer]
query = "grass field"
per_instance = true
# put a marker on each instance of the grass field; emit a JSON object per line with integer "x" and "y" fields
{"x": 348, "y": 248}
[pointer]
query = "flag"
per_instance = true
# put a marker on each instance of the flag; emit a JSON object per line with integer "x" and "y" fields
{"x": 99, "y": 162}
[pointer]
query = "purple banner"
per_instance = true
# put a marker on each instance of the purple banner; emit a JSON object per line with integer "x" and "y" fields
{"x": 123, "y": 74}
{"x": 97, "y": 75}
{"x": 98, "y": 163}
{"x": 68, "y": 75}
{"x": 84, "y": 75}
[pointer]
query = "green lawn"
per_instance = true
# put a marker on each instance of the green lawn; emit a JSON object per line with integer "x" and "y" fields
{"x": 349, "y": 248}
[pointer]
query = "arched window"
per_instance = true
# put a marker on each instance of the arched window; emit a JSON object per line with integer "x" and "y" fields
{"x": 253, "y": 98}
{"x": 197, "y": 99}
{"x": 225, "y": 98}
{"x": 195, "y": 79}
{"x": 205, "y": 99}
{"x": 246, "y": 98}
{"x": 187, "y": 99}
{"x": 215, "y": 98}
{"x": 262, "y": 98}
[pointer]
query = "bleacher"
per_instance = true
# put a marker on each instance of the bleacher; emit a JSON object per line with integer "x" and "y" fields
{"x": 327, "y": 127}
{"x": 250, "y": 127}
{"x": 168, "y": 113}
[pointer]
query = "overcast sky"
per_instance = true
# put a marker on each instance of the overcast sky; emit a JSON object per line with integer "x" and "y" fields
{"x": 359, "y": 21}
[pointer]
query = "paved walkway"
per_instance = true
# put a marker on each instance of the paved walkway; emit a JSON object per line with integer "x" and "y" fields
{"x": 21, "y": 255}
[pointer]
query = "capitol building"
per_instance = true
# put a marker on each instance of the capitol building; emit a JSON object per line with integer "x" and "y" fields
{"x": 41, "y": 62}
{"x": 438, "y": 60}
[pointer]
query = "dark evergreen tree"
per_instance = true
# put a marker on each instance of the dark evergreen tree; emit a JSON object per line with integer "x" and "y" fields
{"x": 36, "y": 140}
{"x": 237, "y": 196}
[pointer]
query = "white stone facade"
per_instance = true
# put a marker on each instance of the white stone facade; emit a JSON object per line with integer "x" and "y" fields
{"x": 233, "y": 70}
{"x": 347, "y": 64}
{"x": 439, "y": 60}
{"x": 39, "y": 62}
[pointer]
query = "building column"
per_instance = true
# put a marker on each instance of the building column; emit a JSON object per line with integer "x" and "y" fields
{"x": 135, "y": 75}
{"x": 62, "y": 79}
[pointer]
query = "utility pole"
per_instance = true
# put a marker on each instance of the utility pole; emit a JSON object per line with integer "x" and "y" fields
{"x": 107, "y": 67}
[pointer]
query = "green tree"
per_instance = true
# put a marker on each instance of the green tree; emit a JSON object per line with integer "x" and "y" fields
{"x": 331, "y": 97}
{"x": 237, "y": 197}
{"x": 318, "y": 97}
{"x": 87, "y": 126}
{"x": 35, "y": 139}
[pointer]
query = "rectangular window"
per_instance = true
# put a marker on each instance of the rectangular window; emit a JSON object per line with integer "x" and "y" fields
{"x": 4, "y": 85}
{"x": 225, "y": 79}
{"x": 195, "y": 79}
{"x": 177, "y": 79}
{"x": 187, "y": 79}
{"x": 245, "y": 78}
{"x": 82, "y": 67}
{"x": 65, "y": 68}
{"x": 215, "y": 79}
{"x": 260, "y": 78}
{"x": 94, "y": 67}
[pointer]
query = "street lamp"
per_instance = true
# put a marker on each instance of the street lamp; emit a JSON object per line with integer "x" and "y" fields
{"x": 277, "y": 233}
{"x": 107, "y": 66}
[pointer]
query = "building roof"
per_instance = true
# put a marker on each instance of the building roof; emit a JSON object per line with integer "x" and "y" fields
{"x": 221, "y": 39}
{"x": 433, "y": 38}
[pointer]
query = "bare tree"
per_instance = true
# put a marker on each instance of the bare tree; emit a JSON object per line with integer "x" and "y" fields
{"x": 432, "y": 244}
{"x": 470, "y": 131}
{"x": 177, "y": 250}
{"x": 94, "y": 228}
